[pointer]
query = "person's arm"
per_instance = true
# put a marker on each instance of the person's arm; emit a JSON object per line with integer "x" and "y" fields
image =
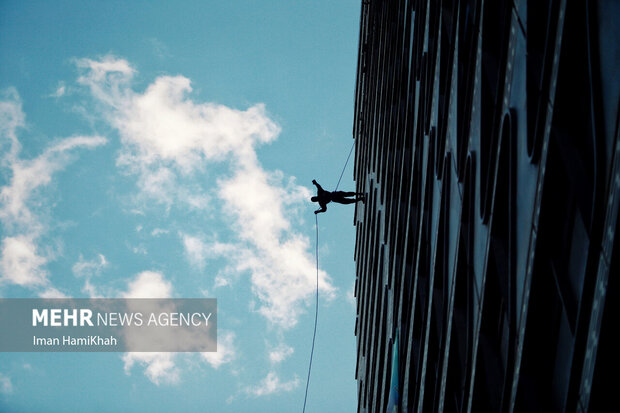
{"x": 318, "y": 187}
{"x": 322, "y": 209}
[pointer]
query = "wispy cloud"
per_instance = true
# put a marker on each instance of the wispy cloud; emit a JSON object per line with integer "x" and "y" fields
{"x": 169, "y": 140}
{"x": 12, "y": 119}
{"x": 165, "y": 135}
{"x": 280, "y": 353}
{"x": 148, "y": 284}
{"x": 30, "y": 174}
{"x": 60, "y": 91}
{"x": 52, "y": 292}
{"x": 272, "y": 384}
{"x": 87, "y": 269}
{"x": 159, "y": 48}
{"x": 6, "y": 386}
{"x": 159, "y": 231}
{"x": 226, "y": 350}
{"x": 282, "y": 271}
{"x": 196, "y": 249}
{"x": 160, "y": 367}
{"x": 351, "y": 296}
{"x": 22, "y": 262}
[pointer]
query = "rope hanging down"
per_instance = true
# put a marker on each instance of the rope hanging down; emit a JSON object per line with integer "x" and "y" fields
{"x": 316, "y": 311}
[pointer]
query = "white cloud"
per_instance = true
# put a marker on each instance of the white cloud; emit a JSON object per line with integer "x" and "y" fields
{"x": 169, "y": 142}
{"x": 221, "y": 280}
{"x": 159, "y": 48}
{"x": 166, "y": 135}
{"x": 60, "y": 91}
{"x": 159, "y": 367}
{"x": 280, "y": 353}
{"x": 106, "y": 78}
{"x": 226, "y": 350}
{"x": 272, "y": 384}
{"x": 52, "y": 292}
{"x": 158, "y": 231}
{"x": 138, "y": 249}
{"x": 6, "y": 386}
{"x": 195, "y": 249}
{"x": 86, "y": 268}
{"x": 351, "y": 296}
{"x": 21, "y": 262}
{"x": 283, "y": 273}
{"x": 91, "y": 290}
{"x": 148, "y": 284}
{"x": 185, "y": 132}
{"x": 28, "y": 175}
{"x": 12, "y": 118}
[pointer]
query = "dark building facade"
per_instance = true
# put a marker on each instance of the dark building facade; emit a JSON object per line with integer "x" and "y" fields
{"x": 487, "y": 141}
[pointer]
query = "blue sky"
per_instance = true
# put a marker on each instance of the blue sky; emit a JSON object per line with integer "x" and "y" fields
{"x": 154, "y": 148}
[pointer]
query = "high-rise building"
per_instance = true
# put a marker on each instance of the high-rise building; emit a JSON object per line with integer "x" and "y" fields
{"x": 487, "y": 263}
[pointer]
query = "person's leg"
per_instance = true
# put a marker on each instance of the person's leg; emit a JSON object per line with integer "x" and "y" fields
{"x": 345, "y": 200}
{"x": 338, "y": 196}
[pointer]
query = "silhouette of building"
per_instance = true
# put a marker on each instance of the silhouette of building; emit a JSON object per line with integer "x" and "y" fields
{"x": 487, "y": 141}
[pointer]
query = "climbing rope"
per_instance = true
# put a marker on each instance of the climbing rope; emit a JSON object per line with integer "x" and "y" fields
{"x": 316, "y": 310}
{"x": 345, "y": 165}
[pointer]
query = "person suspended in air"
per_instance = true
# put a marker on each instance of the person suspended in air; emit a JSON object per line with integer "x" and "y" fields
{"x": 324, "y": 197}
